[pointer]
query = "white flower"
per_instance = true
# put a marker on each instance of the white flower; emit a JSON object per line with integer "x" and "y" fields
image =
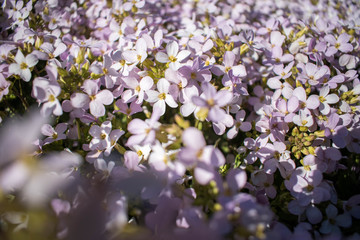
{"x": 162, "y": 96}
{"x": 23, "y": 65}
{"x": 172, "y": 55}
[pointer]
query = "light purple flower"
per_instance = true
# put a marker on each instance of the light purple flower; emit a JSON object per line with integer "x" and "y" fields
{"x": 204, "y": 158}
{"x": 100, "y": 134}
{"x": 325, "y": 99}
{"x": 213, "y": 101}
{"x": 341, "y": 43}
{"x": 239, "y": 125}
{"x": 94, "y": 98}
{"x": 54, "y": 134}
{"x": 312, "y": 74}
{"x": 144, "y": 131}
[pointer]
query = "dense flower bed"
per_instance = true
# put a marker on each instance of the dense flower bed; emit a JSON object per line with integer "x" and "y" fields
{"x": 203, "y": 119}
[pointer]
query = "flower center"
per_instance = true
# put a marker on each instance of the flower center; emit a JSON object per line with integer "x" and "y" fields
{"x": 322, "y": 99}
{"x": 210, "y": 102}
{"x": 172, "y": 59}
{"x": 51, "y": 98}
{"x": 103, "y": 136}
{"x": 138, "y": 88}
{"x": 162, "y": 96}
{"x": 23, "y": 65}
{"x": 199, "y": 153}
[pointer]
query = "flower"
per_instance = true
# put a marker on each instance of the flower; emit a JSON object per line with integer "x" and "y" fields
{"x": 211, "y": 101}
{"x": 341, "y": 44}
{"x": 54, "y": 134}
{"x": 162, "y": 96}
{"x": 199, "y": 155}
{"x": 94, "y": 98}
{"x": 172, "y": 55}
{"x": 23, "y": 65}
{"x": 144, "y": 131}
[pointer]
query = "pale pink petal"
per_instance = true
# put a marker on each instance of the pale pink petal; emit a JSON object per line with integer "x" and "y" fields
{"x": 137, "y": 126}
{"x": 324, "y": 91}
{"x": 182, "y": 55}
{"x": 332, "y": 98}
{"x": 330, "y": 39}
{"x": 236, "y": 179}
{"x": 31, "y": 60}
{"x": 146, "y": 83}
{"x": 97, "y": 109}
{"x": 161, "y": 106}
{"x": 239, "y": 71}
{"x": 223, "y": 97}
{"x": 346, "y": 47}
{"x": 203, "y": 174}
{"x": 14, "y": 68}
{"x": 172, "y": 49}
{"x": 163, "y": 85}
{"x": 47, "y": 130}
{"x": 25, "y": 74}
{"x": 310, "y": 69}
{"x": 229, "y": 59}
{"x": 300, "y": 93}
{"x": 313, "y": 102}
{"x": 152, "y": 96}
{"x": 245, "y": 126}
{"x": 170, "y": 101}
{"x": 162, "y": 57}
{"x": 141, "y": 46}
{"x": 19, "y": 57}
{"x": 321, "y": 72}
{"x": 105, "y": 97}
{"x": 274, "y": 83}
{"x": 130, "y": 56}
{"x": 193, "y": 138}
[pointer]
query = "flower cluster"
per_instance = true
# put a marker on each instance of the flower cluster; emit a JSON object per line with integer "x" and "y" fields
{"x": 179, "y": 119}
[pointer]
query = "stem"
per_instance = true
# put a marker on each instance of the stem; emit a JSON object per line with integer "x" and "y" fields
{"x": 19, "y": 95}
